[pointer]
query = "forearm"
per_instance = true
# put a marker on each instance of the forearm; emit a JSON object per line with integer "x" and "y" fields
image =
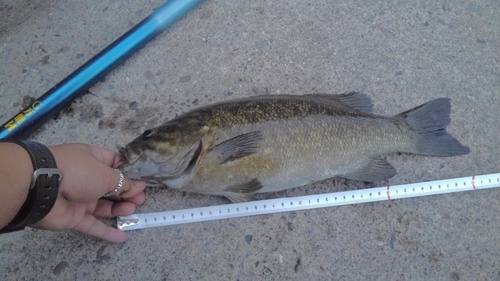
{"x": 16, "y": 170}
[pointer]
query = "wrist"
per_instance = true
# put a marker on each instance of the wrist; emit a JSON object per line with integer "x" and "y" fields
{"x": 15, "y": 174}
{"x": 43, "y": 187}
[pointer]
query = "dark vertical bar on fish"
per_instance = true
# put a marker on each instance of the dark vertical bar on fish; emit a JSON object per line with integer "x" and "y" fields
{"x": 78, "y": 82}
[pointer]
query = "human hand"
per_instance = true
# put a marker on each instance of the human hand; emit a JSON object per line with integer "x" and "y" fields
{"x": 88, "y": 173}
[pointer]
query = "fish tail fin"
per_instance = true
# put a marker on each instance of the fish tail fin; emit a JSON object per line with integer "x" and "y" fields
{"x": 428, "y": 121}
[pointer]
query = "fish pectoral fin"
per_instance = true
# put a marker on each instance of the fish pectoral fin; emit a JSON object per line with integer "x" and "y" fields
{"x": 242, "y": 192}
{"x": 351, "y": 100}
{"x": 378, "y": 169}
{"x": 239, "y": 146}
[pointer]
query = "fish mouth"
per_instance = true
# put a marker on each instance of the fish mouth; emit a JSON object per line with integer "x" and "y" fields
{"x": 155, "y": 176}
{"x": 128, "y": 156}
{"x": 123, "y": 154}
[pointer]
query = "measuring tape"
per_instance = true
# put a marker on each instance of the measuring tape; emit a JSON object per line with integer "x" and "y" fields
{"x": 278, "y": 205}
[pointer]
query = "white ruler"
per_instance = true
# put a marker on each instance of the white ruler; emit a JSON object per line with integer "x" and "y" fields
{"x": 278, "y": 205}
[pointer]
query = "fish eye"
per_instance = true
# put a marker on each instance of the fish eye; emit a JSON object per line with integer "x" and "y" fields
{"x": 148, "y": 134}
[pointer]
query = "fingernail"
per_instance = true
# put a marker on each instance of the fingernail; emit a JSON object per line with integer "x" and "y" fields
{"x": 139, "y": 184}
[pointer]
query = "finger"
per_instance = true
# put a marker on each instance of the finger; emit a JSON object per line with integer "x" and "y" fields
{"x": 86, "y": 175}
{"x": 90, "y": 225}
{"x": 111, "y": 209}
{"x": 137, "y": 199}
{"x": 87, "y": 172}
{"x": 129, "y": 189}
{"x": 135, "y": 188}
{"x": 113, "y": 159}
{"x": 104, "y": 179}
{"x": 108, "y": 156}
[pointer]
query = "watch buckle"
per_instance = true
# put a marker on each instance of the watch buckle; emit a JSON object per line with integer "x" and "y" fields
{"x": 45, "y": 171}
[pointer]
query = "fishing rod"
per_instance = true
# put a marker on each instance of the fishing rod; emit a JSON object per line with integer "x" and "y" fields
{"x": 65, "y": 92}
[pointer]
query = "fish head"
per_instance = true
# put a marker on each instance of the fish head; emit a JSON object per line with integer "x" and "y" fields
{"x": 164, "y": 152}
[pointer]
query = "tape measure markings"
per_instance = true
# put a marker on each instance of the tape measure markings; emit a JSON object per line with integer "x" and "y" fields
{"x": 277, "y": 205}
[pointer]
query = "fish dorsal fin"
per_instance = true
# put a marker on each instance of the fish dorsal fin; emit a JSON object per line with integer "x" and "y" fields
{"x": 243, "y": 192}
{"x": 378, "y": 169}
{"x": 353, "y": 100}
{"x": 239, "y": 146}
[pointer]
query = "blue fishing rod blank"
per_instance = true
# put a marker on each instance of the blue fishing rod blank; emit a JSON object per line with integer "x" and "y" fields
{"x": 78, "y": 82}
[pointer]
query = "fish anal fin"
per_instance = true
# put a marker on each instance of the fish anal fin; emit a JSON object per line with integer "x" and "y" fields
{"x": 352, "y": 100}
{"x": 378, "y": 169}
{"x": 239, "y": 146}
{"x": 242, "y": 192}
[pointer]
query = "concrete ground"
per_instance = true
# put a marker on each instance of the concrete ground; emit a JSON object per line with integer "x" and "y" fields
{"x": 400, "y": 53}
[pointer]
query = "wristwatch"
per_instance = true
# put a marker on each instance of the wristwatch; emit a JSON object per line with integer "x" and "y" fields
{"x": 43, "y": 189}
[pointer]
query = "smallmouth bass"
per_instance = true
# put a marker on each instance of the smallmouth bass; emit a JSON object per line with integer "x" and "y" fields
{"x": 271, "y": 143}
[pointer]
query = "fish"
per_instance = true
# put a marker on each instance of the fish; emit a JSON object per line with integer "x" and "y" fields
{"x": 271, "y": 143}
